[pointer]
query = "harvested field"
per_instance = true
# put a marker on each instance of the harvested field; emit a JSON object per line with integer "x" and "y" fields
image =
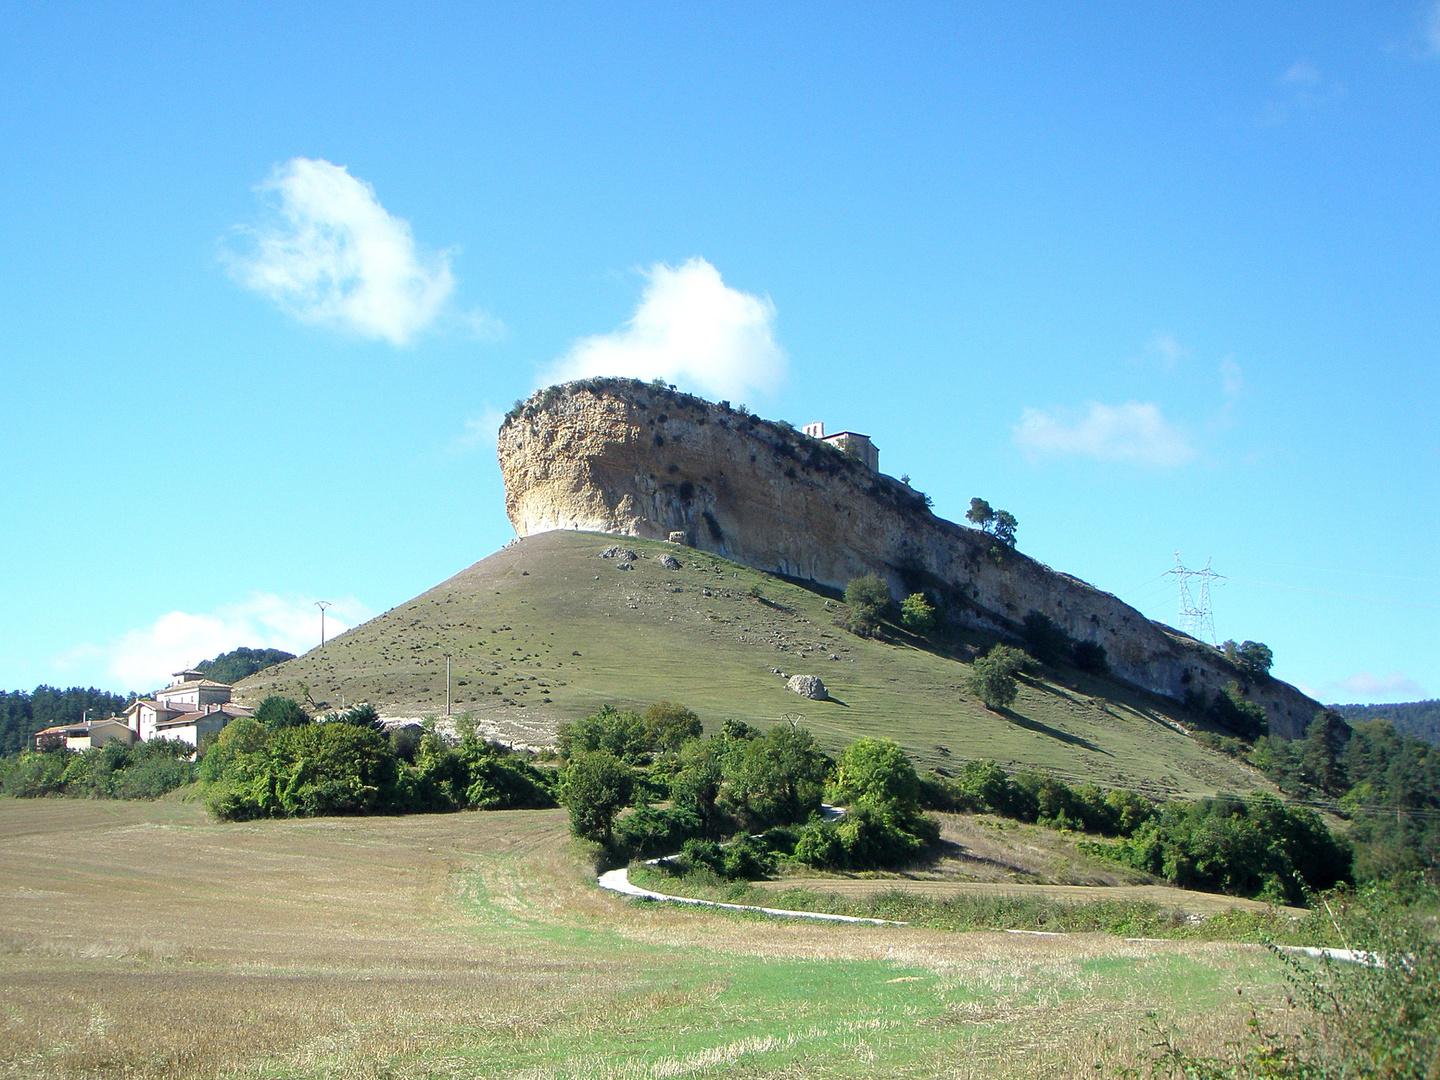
{"x": 146, "y": 940}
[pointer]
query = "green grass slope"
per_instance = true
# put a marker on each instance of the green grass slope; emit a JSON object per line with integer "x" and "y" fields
{"x": 546, "y": 630}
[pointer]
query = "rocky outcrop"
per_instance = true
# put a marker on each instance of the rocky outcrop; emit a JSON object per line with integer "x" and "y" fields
{"x": 619, "y": 456}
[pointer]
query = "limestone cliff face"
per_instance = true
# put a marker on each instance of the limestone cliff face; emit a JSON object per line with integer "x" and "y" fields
{"x": 622, "y": 457}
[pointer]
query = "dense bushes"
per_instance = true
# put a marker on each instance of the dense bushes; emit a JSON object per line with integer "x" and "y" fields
{"x": 115, "y": 771}
{"x": 884, "y": 825}
{"x": 1388, "y": 783}
{"x": 347, "y": 766}
{"x": 1255, "y": 847}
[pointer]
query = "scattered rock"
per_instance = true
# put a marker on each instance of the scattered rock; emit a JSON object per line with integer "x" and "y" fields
{"x": 618, "y": 552}
{"x": 807, "y": 686}
{"x": 679, "y": 538}
{"x": 627, "y": 565}
{"x": 669, "y": 562}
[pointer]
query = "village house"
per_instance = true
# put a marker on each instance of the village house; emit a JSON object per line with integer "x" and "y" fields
{"x": 85, "y": 735}
{"x": 190, "y": 707}
{"x": 850, "y": 442}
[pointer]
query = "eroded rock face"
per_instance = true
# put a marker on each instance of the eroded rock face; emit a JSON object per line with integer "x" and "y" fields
{"x": 618, "y": 456}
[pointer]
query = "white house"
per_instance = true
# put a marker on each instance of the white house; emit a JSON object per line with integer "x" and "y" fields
{"x": 191, "y": 706}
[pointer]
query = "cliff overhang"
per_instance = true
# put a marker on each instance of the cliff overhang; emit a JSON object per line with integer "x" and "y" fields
{"x": 636, "y": 459}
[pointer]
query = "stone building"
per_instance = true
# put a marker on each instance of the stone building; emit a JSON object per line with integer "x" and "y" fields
{"x": 851, "y": 442}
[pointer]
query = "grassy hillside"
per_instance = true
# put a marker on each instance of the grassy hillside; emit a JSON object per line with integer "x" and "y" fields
{"x": 547, "y": 630}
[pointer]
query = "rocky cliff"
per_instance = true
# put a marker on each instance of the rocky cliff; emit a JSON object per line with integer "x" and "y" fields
{"x": 619, "y": 456}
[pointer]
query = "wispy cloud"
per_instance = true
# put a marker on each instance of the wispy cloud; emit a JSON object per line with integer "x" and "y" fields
{"x": 1391, "y": 687}
{"x": 689, "y": 327}
{"x": 143, "y": 658}
{"x": 1300, "y": 89}
{"x": 1169, "y": 350}
{"x": 1135, "y": 433}
{"x": 1432, "y": 30}
{"x": 481, "y": 430}
{"x": 329, "y": 254}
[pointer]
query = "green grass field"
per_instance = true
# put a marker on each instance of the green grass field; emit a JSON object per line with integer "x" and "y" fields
{"x": 546, "y": 631}
{"x": 146, "y": 940}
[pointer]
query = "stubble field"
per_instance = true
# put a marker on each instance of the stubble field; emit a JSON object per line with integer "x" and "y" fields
{"x": 146, "y": 940}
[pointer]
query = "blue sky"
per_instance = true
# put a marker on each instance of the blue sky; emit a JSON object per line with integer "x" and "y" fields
{"x": 1152, "y": 278}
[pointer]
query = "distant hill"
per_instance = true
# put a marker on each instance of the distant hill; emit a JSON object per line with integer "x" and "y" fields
{"x": 240, "y": 663}
{"x": 23, "y": 713}
{"x": 548, "y": 630}
{"x": 1418, "y": 718}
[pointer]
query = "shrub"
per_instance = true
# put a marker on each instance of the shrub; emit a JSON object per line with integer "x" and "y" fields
{"x": 669, "y": 726}
{"x": 646, "y": 831}
{"x": 35, "y": 773}
{"x": 1090, "y": 656}
{"x": 594, "y": 787}
{"x": 917, "y": 614}
{"x": 992, "y": 677}
{"x": 1043, "y": 639}
{"x": 620, "y": 733}
{"x": 1231, "y": 710}
{"x": 776, "y": 779}
{"x": 867, "y": 598}
{"x": 1255, "y": 847}
{"x": 876, "y": 772}
{"x": 281, "y": 712}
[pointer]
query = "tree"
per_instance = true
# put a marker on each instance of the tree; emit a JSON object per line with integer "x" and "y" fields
{"x": 1004, "y": 527}
{"x": 1000, "y": 524}
{"x": 618, "y": 732}
{"x": 777, "y": 779}
{"x": 277, "y": 712}
{"x": 1255, "y": 658}
{"x": 980, "y": 515}
{"x": 867, "y": 598}
{"x": 364, "y": 716}
{"x": 594, "y": 787}
{"x": 876, "y": 772}
{"x": 992, "y": 677}
{"x": 668, "y": 726}
{"x": 917, "y": 614}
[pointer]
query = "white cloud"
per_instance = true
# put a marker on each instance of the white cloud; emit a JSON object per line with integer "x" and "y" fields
{"x": 330, "y": 254}
{"x": 689, "y": 327}
{"x": 143, "y": 659}
{"x": 1394, "y": 686}
{"x": 1232, "y": 379}
{"x": 1303, "y": 90}
{"x": 1300, "y": 73}
{"x": 1432, "y": 29}
{"x": 1134, "y": 432}
{"x": 1170, "y": 351}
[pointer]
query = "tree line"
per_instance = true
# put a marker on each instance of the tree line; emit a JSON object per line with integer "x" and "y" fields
{"x": 23, "y": 713}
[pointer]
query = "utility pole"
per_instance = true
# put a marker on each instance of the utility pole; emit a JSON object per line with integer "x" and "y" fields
{"x": 322, "y": 605}
{"x": 447, "y": 684}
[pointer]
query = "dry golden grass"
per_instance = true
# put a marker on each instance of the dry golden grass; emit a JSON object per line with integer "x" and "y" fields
{"x": 145, "y": 940}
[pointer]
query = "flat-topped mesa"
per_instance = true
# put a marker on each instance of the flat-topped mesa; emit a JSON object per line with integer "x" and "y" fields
{"x": 636, "y": 459}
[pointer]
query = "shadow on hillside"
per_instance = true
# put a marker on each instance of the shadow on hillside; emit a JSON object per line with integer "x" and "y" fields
{"x": 1054, "y": 733}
